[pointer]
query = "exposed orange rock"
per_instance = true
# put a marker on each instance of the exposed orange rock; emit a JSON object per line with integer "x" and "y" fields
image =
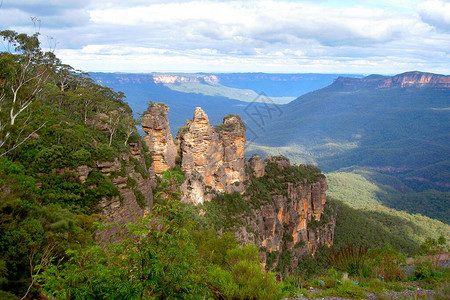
{"x": 211, "y": 157}
{"x": 159, "y": 139}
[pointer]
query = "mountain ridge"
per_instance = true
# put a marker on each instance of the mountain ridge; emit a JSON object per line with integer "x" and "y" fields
{"x": 403, "y": 80}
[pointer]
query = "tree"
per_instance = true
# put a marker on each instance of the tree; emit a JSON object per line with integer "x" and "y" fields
{"x": 23, "y": 70}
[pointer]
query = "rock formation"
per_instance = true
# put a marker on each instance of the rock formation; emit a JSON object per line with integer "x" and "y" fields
{"x": 125, "y": 207}
{"x": 213, "y": 158}
{"x": 295, "y": 221}
{"x": 287, "y": 203}
{"x": 159, "y": 139}
{"x": 257, "y": 165}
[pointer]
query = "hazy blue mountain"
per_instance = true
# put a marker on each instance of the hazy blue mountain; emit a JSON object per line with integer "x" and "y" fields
{"x": 218, "y": 94}
{"x": 395, "y": 126}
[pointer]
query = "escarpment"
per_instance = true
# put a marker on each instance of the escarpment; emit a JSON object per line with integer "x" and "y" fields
{"x": 294, "y": 218}
{"x": 283, "y": 208}
{"x": 405, "y": 80}
{"x": 130, "y": 174}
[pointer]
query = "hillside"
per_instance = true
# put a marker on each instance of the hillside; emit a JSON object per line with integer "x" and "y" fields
{"x": 397, "y": 126}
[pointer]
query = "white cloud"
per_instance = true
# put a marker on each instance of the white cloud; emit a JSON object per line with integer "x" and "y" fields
{"x": 436, "y": 13}
{"x": 265, "y": 35}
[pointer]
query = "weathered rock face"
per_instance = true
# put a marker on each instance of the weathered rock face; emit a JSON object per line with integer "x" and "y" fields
{"x": 126, "y": 207}
{"x": 213, "y": 159}
{"x": 295, "y": 222}
{"x": 159, "y": 139}
{"x": 257, "y": 165}
{"x": 287, "y": 203}
{"x": 232, "y": 136}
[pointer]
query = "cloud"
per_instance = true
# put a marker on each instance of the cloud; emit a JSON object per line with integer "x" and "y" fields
{"x": 436, "y": 13}
{"x": 242, "y": 35}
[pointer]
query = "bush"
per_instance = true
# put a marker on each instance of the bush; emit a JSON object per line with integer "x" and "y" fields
{"x": 81, "y": 157}
{"x": 103, "y": 152}
{"x": 350, "y": 259}
{"x": 140, "y": 198}
{"x": 244, "y": 278}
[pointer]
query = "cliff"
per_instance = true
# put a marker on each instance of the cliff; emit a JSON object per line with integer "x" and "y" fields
{"x": 405, "y": 80}
{"x": 279, "y": 207}
{"x": 294, "y": 219}
{"x": 131, "y": 176}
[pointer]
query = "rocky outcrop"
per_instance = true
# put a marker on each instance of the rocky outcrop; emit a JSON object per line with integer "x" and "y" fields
{"x": 295, "y": 221}
{"x": 405, "y": 80}
{"x": 287, "y": 203}
{"x": 159, "y": 139}
{"x": 257, "y": 165}
{"x": 213, "y": 158}
{"x": 126, "y": 207}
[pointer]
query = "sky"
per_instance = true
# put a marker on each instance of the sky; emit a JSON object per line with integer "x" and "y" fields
{"x": 138, "y": 36}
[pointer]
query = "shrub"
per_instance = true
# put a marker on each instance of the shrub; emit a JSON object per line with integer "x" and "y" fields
{"x": 350, "y": 259}
{"x": 81, "y": 157}
{"x": 103, "y": 152}
{"x": 140, "y": 198}
{"x": 244, "y": 278}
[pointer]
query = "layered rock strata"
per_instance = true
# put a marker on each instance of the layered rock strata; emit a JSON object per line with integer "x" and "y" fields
{"x": 212, "y": 158}
{"x": 126, "y": 207}
{"x": 158, "y": 138}
{"x": 294, "y": 222}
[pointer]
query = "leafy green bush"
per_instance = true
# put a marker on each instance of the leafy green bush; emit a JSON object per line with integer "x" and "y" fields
{"x": 103, "y": 152}
{"x": 81, "y": 157}
{"x": 140, "y": 198}
{"x": 244, "y": 278}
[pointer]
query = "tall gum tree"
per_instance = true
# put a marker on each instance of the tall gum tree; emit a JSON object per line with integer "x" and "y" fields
{"x": 24, "y": 69}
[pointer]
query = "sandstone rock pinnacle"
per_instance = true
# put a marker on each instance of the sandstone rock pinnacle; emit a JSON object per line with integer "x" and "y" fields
{"x": 213, "y": 158}
{"x": 159, "y": 139}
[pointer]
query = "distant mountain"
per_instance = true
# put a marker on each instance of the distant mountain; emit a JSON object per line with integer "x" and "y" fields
{"x": 218, "y": 94}
{"x": 399, "y": 126}
{"x": 405, "y": 80}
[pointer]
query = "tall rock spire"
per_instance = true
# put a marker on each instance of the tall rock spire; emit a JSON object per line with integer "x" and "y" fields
{"x": 213, "y": 158}
{"x": 159, "y": 140}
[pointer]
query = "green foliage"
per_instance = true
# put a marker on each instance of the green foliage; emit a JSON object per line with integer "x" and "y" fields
{"x": 350, "y": 259}
{"x": 362, "y": 188}
{"x": 103, "y": 152}
{"x": 349, "y": 290}
{"x": 140, "y": 198}
{"x": 81, "y": 157}
{"x": 227, "y": 211}
{"x": 44, "y": 208}
{"x": 387, "y": 263}
{"x": 244, "y": 277}
{"x": 155, "y": 258}
{"x": 377, "y": 226}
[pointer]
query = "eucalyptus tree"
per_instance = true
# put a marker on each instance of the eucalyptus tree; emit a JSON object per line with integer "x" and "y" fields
{"x": 24, "y": 69}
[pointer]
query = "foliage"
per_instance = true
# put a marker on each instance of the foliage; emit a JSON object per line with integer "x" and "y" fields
{"x": 155, "y": 258}
{"x": 244, "y": 278}
{"x": 387, "y": 263}
{"x": 377, "y": 226}
{"x": 350, "y": 259}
